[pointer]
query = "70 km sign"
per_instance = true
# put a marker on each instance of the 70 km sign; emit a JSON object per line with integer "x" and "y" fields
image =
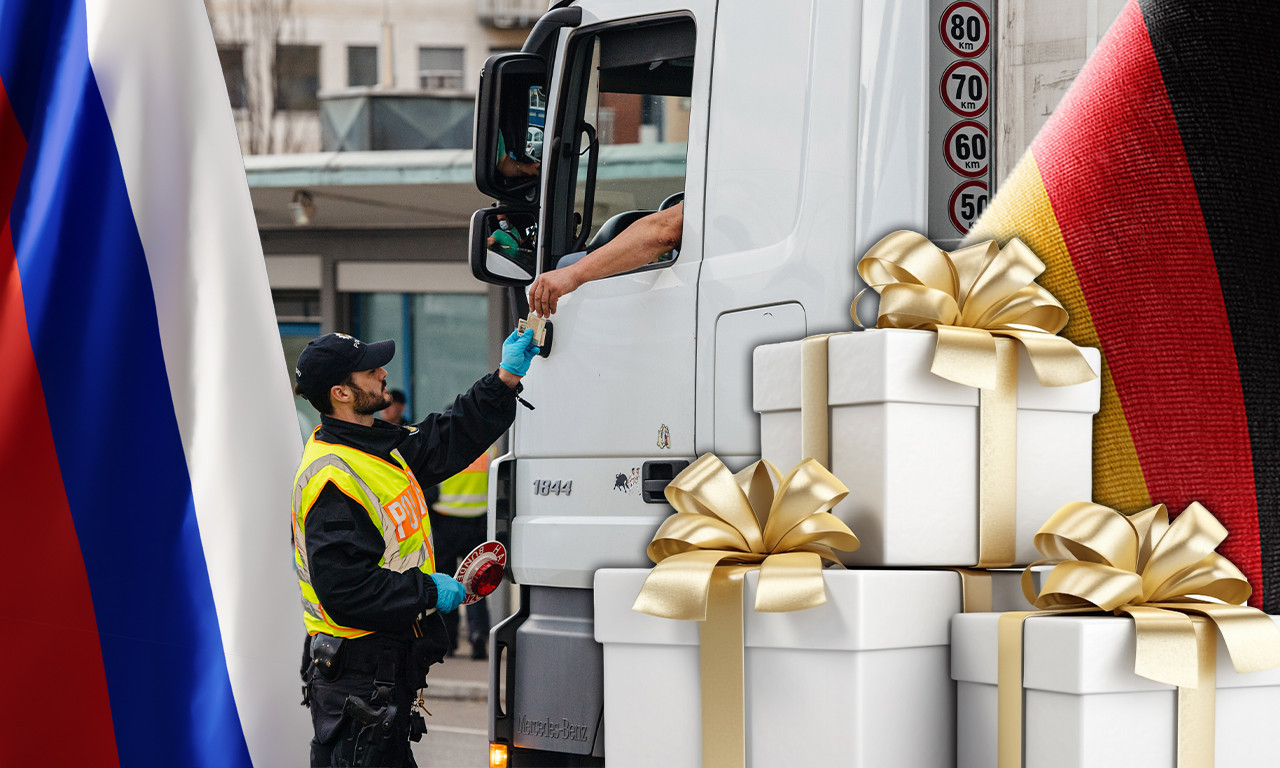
{"x": 965, "y": 88}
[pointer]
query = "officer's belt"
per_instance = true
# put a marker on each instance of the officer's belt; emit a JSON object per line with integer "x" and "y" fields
{"x": 362, "y": 655}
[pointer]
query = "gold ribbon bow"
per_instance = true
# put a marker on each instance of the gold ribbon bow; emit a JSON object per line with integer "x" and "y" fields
{"x": 969, "y": 297}
{"x": 724, "y": 526}
{"x": 1170, "y": 581}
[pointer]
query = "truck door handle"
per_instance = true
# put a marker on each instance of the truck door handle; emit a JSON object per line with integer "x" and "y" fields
{"x": 546, "y": 340}
{"x": 504, "y": 506}
{"x": 655, "y": 476}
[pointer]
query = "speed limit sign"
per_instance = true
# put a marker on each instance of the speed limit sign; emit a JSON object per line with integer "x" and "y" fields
{"x": 966, "y": 88}
{"x": 968, "y": 149}
{"x": 965, "y": 29}
{"x": 968, "y": 202}
{"x": 964, "y": 42}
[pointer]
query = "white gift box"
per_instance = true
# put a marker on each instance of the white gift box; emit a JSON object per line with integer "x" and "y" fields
{"x": 906, "y": 443}
{"x": 861, "y": 681}
{"x": 1083, "y": 706}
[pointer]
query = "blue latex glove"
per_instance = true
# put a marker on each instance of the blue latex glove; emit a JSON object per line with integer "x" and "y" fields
{"x": 517, "y": 352}
{"x": 449, "y": 592}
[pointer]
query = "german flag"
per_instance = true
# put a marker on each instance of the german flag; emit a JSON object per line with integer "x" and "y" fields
{"x": 1151, "y": 195}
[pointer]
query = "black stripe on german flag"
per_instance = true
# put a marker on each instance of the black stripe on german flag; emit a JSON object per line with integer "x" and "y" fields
{"x": 1221, "y": 67}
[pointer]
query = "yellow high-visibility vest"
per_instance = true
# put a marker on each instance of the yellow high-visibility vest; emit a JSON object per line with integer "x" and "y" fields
{"x": 466, "y": 494}
{"x": 389, "y": 493}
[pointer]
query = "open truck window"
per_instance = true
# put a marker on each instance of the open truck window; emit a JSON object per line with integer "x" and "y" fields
{"x": 625, "y": 142}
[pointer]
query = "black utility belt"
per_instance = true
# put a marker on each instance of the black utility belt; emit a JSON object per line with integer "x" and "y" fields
{"x": 332, "y": 655}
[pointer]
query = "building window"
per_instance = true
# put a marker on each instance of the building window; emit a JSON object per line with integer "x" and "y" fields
{"x": 442, "y": 344}
{"x": 362, "y": 65}
{"x": 297, "y": 77}
{"x": 231, "y": 57}
{"x": 440, "y": 69}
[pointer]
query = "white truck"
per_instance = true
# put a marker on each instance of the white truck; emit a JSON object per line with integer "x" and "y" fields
{"x": 798, "y": 134}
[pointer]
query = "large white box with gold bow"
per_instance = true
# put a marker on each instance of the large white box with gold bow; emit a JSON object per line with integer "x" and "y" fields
{"x": 861, "y": 681}
{"x": 1083, "y": 706}
{"x": 907, "y": 444}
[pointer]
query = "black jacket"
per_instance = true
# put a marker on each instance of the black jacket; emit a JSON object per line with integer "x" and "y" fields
{"x": 344, "y": 546}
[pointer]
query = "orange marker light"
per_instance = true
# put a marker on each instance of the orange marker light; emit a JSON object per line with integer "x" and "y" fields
{"x": 497, "y": 756}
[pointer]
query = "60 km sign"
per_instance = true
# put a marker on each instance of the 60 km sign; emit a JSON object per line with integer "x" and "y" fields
{"x": 968, "y": 149}
{"x": 966, "y": 88}
{"x": 965, "y": 29}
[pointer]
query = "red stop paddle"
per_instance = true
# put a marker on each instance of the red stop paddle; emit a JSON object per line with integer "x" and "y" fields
{"x": 480, "y": 572}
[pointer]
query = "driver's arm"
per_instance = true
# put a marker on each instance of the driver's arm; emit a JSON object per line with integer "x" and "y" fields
{"x": 635, "y": 246}
{"x": 511, "y": 167}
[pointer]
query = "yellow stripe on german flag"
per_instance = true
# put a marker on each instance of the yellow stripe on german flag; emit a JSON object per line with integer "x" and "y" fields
{"x": 1151, "y": 196}
{"x": 1024, "y": 211}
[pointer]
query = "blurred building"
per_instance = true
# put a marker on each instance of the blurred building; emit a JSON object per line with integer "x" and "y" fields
{"x": 355, "y": 118}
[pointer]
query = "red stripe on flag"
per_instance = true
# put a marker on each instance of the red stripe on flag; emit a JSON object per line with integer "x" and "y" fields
{"x": 1115, "y": 170}
{"x": 62, "y": 713}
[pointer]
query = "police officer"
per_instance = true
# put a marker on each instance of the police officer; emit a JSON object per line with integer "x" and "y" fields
{"x": 371, "y": 598}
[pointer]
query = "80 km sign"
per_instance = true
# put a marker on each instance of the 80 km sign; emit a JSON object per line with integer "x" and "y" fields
{"x": 965, "y": 29}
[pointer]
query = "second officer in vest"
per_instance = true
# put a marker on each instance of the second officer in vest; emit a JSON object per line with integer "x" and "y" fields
{"x": 363, "y": 551}
{"x": 459, "y": 519}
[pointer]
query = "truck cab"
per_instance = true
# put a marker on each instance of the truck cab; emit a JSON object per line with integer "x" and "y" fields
{"x": 795, "y": 135}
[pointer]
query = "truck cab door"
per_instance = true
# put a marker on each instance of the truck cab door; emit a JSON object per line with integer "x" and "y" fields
{"x": 626, "y": 135}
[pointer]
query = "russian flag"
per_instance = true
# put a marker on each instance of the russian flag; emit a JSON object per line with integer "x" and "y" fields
{"x": 1151, "y": 195}
{"x": 148, "y": 609}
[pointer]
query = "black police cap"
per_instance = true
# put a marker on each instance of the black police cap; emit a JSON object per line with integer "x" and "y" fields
{"x": 329, "y": 359}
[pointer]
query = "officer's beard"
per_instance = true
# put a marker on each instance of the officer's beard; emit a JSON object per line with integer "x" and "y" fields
{"x": 369, "y": 403}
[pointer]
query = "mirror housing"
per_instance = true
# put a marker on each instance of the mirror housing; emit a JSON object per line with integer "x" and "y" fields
{"x": 511, "y": 109}
{"x": 504, "y": 257}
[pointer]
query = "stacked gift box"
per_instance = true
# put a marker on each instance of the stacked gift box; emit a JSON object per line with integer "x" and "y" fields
{"x": 947, "y": 451}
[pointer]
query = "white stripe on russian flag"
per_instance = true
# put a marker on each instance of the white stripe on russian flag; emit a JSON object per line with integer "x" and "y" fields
{"x": 157, "y": 68}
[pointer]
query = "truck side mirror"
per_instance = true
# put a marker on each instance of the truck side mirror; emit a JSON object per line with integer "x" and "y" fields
{"x": 504, "y": 245}
{"x": 511, "y": 115}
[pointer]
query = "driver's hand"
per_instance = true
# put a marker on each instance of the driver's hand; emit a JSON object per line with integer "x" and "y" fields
{"x": 546, "y": 291}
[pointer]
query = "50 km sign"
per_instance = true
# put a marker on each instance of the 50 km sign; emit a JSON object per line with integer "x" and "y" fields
{"x": 967, "y": 204}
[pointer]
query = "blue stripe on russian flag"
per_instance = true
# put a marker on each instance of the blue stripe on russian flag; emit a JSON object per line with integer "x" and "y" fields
{"x": 92, "y": 319}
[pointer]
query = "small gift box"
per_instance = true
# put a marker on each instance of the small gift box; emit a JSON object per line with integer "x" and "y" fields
{"x": 962, "y": 422}
{"x": 860, "y": 681}
{"x": 910, "y": 442}
{"x": 1084, "y": 707}
{"x": 1181, "y": 673}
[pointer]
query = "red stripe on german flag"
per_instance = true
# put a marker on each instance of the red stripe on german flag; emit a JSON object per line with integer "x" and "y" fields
{"x": 1109, "y": 197}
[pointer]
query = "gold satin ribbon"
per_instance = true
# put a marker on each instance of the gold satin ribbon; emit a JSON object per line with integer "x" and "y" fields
{"x": 725, "y": 525}
{"x": 981, "y": 301}
{"x": 815, "y": 430}
{"x": 1170, "y": 581}
{"x": 969, "y": 297}
{"x": 976, "y": 590}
